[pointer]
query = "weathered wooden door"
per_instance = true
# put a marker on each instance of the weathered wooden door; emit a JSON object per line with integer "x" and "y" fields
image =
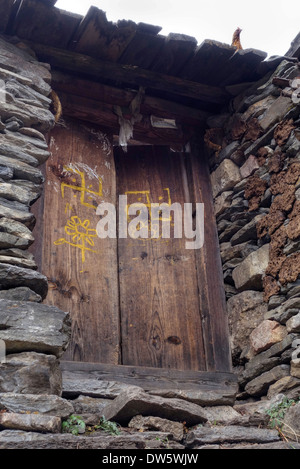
{"x": 161, "y": 322}
{"x": 135, "y": 302}
{"x": 82, "y": 269}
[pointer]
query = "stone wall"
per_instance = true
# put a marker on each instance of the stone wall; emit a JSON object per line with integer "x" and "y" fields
{"x": 254, "y": 155}
{"x": 35, "y": 335}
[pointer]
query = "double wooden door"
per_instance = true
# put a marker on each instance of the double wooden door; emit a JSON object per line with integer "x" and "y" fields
{"x": 133, "y": 301}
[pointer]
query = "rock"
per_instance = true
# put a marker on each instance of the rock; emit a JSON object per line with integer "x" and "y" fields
{"x": 295, "y": 368}
{"x": 221, "y": 395}
{"x": 20, "y": 294}
{"x": 176, "y": 429}
{"x": 241, "y": 251}
{"x": 8, "y": 241}
{"x": 291, "y": 423}
{"x": 12, "y": 191}
{"x": 249, "y": 167}
{"x": 285, "y": 311}
{"x": 248, "y": 275}
{"x": 16, "y": 211}
{"x": 18, "y": 261}
{"x": 222, "y": 415}
{"x": 17, "y": 153}
{"x": 265, "y": 361}
{"x": 226, "y": 152}
{"x": 14, "y": 439}
{"x": 226, "y": 176}
{"x": 28, "y": 326}
{"x": 231, "y": 434}
{"x": 137, "y": 402}
{"x": 30, "y": 422}
{"x": 245, "y": 311}
{"x": 284, "y": 386}
{"x": 255, "y": 413}
{"x": 247, "y": 233}
{"x": 22, "y": 170}
{"x": 293, "y": 324}
{"x": 17, "y": 229}
{"x": 260, "y": 385}
{"x": 222, "y": 202}
{"x": 32, "y": 133}
{"x": 275, "y": 112}
{"x": 6, "y": 173}
{"x": 89, "y": 405}
{"x": 31, "y": 373}
{"x": 29, "y": 149}
{"x": 37, "y": 117}
{"x": 43, "y": 404}
{"x": 12, "y": 276}
{"x": 267, "y": 334}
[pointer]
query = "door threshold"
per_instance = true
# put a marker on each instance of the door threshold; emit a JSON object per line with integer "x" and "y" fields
{"x": 108, "y": 381}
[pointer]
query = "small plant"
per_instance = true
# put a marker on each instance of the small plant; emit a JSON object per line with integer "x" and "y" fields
{"x": 108, "y": 426}
{"x": 74, "y": 424}
{"x": 277, "y": 412}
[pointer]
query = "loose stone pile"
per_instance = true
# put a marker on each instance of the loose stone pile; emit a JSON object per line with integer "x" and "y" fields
{"x": 256, "y": 181}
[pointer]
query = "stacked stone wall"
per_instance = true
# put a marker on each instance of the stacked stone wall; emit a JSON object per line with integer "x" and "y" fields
{"x": 254, "y": 155}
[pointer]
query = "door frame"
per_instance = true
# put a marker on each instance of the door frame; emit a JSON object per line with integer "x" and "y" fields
{"x": 219, "y": 376}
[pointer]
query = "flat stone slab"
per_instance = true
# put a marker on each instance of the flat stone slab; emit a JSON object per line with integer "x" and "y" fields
{"x": 31, "y": 373}
{"x": 12, "y": 276}
{"x": 13, "y": 439}
{"x": 29, "y": 326}
{"x": 231, "y": 434}
{"x": 137, "y": 402}
{"x": 43, "y": 404}
{"x": 30, "y": 422}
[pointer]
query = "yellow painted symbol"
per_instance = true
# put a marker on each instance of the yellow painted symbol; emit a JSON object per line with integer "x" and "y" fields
{"x": 85, "y": 192}
{"x": 144, "y": 199}
{"x": 81, "y": 236}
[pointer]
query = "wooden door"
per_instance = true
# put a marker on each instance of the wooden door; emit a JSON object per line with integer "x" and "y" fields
{"x": 161, "y": 324}
{"x": 136, "y": 302}
{"x": 81, "y": 268}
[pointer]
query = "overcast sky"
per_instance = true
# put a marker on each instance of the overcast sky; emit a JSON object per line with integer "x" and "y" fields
{"x": 268, "y": 25}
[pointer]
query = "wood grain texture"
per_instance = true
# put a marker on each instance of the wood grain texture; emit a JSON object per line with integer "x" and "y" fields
{"x": 209, "y": 269}
{"x": 151, "y": 379}
{"x": 159, "y": 304}
{"x": 81, "y": 268}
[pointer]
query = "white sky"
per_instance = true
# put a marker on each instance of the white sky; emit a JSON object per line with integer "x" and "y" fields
{"x": 268, "y": 25}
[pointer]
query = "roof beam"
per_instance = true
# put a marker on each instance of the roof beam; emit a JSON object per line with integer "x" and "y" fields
{"x": 71, "y": 84}
{"x": 130, "y": 75}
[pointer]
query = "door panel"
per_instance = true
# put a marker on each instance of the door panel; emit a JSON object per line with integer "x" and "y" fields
{"x": 137, "y": 302}
{"x": 81, "y": 268}
{"x": 159, "y": 299}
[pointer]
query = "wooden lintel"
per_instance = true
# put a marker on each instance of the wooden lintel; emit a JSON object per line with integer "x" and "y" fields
{"x": 130, "y": 75}
{"x": 99, "y": 113}
{"x": 70, "y": 84}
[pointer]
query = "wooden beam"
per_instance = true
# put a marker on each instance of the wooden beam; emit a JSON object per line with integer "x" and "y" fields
{"x": 130, "y": 75}
{"x": 101, "y": 39}
{"x": 41, "y": 22}
{"x": 204, "y": 388}
{"x": 71, "y": 84}
{"x": 99, "y": 113}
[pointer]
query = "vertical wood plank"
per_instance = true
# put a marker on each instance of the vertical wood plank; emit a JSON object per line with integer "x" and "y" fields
{"x": 209, "y": 269}
{"x": 159, "y": 303}
{"x": 81, "y": 268}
